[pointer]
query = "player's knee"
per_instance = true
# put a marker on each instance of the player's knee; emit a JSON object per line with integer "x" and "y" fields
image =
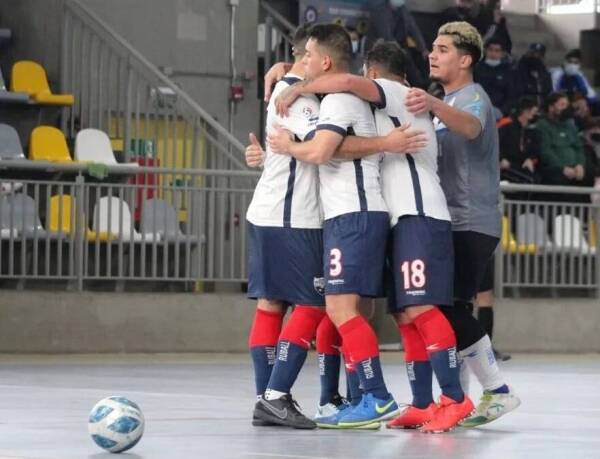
{"x": 412, "y": 312}
{"x": 302, "y": 326}
{"x": 270, "y": 305}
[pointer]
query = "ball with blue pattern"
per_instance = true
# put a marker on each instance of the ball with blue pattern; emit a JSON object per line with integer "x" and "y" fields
{"x": 116, "y": 424}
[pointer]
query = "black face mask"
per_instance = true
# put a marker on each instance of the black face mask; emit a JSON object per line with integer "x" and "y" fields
{"x": 534, "y": 119}
{"x": 595, "y": 137}
{"x": 565, "y": 114}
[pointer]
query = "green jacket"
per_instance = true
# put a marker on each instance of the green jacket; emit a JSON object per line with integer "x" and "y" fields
{"x": 561, "y": 144}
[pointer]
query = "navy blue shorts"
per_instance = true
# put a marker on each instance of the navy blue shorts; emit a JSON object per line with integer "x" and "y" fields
{"x": 354, "y": 255}
{"x": 421, "y": 261}
{"x": 285, "y": 264}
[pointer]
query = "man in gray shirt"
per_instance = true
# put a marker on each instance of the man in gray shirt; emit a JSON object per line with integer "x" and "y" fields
{"x": 469, "y": 174}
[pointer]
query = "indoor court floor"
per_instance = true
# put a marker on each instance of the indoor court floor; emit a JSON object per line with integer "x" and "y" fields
{"x": 199, "y": 406}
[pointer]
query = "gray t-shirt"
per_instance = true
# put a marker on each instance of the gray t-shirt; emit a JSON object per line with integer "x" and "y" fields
{"x": 469, "y": 169}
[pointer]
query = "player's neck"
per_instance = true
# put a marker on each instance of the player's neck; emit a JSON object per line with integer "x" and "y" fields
{"x": 463, "y": 79}
{"x": 297, "y": 69}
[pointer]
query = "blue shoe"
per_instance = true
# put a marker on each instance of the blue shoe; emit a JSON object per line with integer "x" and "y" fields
{"x": 369, "y": 410}
{"x": 331, "y": 420}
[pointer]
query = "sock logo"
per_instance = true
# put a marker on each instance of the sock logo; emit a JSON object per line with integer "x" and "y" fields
{"x": 367, "y": 369}
{"x": 284, "y": 347}
{"x": 271, "y": 354}
{"x": 321, "y": 364}
{"x": 410, "y": 370}
{"x": 452, "y": 360}
{"x": 490, "y": 356}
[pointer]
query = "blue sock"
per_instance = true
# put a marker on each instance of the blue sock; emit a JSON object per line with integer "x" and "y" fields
{"x": 289, "y": 361}
{"x": 353, "y": 390}
{"x": 329, "y": 375}
{"x": 371, "y": 378}
{"x": 420, "y": 377}
{"x": 503, "y": 389}
{"x": 445, "y": 367}
{"x": 263, "y": 358}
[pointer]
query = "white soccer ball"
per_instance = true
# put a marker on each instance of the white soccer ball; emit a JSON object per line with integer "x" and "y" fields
{"x": 116, "y": 424}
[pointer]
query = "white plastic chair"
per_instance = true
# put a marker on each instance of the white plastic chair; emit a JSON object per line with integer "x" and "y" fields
{"x": 569, "y": 237}
{"x": 92, "y": 145}
{"x": 531, "y": 229}
{"x": 112, "y": 219}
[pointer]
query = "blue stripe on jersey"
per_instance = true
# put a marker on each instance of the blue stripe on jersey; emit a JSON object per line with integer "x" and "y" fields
{"x": 413, "y": 174}
{"x": 310, "y": 135}
{"x": 291, "y": 80}
{"x": 360, "y": 180}
{"x": 287, "y": 205}
{"x": 332, "y": 127}
{"x": 382, "y": 103}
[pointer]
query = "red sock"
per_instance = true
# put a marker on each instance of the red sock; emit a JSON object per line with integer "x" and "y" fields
{"x": 329, "y": 340}
{"x": 302, "y": 326}
{"x": 414, "y": 346}
{"x": 436, "y": 331}
{"x": 265, "y": 328}
{"x": 360, "y": 341}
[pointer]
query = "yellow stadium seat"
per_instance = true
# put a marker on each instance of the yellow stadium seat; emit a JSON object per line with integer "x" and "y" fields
{"x": 61, "y": 223}
{"x": 30, "y": 77}
{"x": 593, "y": 234}
{"x": 48, "y": 144}
{"x": 509, "y": 243}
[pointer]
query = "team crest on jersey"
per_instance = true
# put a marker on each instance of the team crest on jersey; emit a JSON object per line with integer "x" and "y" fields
{"x": 319, "y": 284}
{"x": 307, "y": 111}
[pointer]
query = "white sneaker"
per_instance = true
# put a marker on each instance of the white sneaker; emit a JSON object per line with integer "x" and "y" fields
{"x": 332, "y": 408}
{"x": 491, "y": 407}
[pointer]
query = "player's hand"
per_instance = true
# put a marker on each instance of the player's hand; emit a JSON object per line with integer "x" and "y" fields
{"x": 403, "y": 140}
{"x": 579, "y": 172}
{"x": 504, "y": 164}
{"x": 286, "y": 98}
{"x": 275, "y": 73}
{"x": 529, "y": 165}
{"x": 569, "y": 172}
{"x": 279, "y": 140}
{"x": 255, "y": 155}
{"x": 418, "y": 101}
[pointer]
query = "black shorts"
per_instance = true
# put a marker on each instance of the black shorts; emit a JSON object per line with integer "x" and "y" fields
{"x": 472, "y": 253}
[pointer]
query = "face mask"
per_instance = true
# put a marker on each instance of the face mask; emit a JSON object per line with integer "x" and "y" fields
{"x": 397, "y": 3}
{"x": 534, "y": 119}
{"x": 493, "y": 62}
{"x": 354, "y": 46}
{"x": 595, "y": 137}
{"x": 565, "y": 114}
{"x": 572, "y": 69}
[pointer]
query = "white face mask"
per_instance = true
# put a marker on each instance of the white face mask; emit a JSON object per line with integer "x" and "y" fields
{"x": 572, "y": 69}
{"x": 355, "y": 46}
{"x": 397, "y": 3}
{"x": 493, "y": 62}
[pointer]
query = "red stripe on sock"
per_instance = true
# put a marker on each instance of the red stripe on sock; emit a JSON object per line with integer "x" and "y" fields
{"x": 329, "y": 340}
{"x": 360, "y": 341}
{"x": 265, "y": 328}
{"x": 436, "y": 331}
{"x": 302, "y": 326}
{"x": 414, "y": 346}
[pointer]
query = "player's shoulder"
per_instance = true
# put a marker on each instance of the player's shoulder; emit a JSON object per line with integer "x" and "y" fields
{"x": 341, "y": 98}
{"x": 391, "y": 86}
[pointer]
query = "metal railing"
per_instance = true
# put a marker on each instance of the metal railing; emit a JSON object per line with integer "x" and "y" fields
{"x": 119, "y": 91}
{"x": 137, "y": 226}
{"x": 278, "y": 36}
{"x": 550, "y": 240}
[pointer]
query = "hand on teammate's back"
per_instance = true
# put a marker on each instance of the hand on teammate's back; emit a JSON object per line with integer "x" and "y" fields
{"x": 403, "y": 140}
{"x": 275, "y": 73}
{"x": 255, "y": 155}
{"x": 279, "y": 140}
{"x": 419, "y": 101}
{"x": 286, "y": 98}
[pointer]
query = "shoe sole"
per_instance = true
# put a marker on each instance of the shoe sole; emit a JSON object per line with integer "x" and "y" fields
{"x": 385, "y": 417}
{"x": 448, "y": 429}
{"x": 488, "y": 420}
{"x": 261, "y": 423}
{"x": 372, "y": 426}
{"x": 266, "y": 417}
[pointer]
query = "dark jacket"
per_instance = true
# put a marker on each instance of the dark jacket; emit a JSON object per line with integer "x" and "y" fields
{"x": 498, "y": 83}
{"x": 518, "y": 144}
{"x": 532, "y": 78}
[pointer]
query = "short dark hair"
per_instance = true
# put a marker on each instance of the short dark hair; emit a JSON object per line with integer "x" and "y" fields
{"x": 525, "y": 103}
{"x": 554, "y": 97}
{"x": 336, "y": 39}
{"x": 389, "y": 55}
{"x": 494, "y": 41}
{"x": 573, "y": 54}
{"x": 300, "y": 37}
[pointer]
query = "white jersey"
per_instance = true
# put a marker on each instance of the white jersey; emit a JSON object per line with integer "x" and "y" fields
{"x": 287, "y": 193}
{"x": 411, "y": 185}
{"x": 349, "y": 186}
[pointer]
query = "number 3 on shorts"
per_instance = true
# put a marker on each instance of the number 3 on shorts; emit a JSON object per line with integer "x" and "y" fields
{"x": 335, "y": 262}
{"x": 414, "y": 274}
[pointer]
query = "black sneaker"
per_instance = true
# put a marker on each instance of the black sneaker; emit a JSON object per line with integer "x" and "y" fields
{"x": 501, "y": 356}
{"x": 284, "y": 411}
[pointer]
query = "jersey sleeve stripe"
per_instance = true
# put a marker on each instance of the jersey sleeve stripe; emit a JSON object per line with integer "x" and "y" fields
{"x": 383, "y": 102}
{"x": 332, "y": 127}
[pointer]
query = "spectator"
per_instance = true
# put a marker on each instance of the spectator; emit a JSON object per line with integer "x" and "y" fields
{"x": 568, "y": 77}
{"x": 581, "y": 111}
{"x": 464, "y": 10}
{"x": 520, "y": 143}
{"x": 562, "y": 159}
{"x": 531, "y": 76}
{"x": 495, "y": 75}
{"x": 357, "y": 51}
{"x": 493, "y": 24}
{"x": 591, "y": 145}
{"x": 391, "y": 20}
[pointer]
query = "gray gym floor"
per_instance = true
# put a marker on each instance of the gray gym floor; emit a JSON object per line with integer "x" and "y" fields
{"x": 199, "y": 406}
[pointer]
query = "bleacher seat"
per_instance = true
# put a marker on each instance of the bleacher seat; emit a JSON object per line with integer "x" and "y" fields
{"x": 62, "y": 217}
{"x": 112, "y": 219}
{"x": 7, "y": 230}
{"x": 509, "y": 242}
{"x": 22, "y": 214}
{"x": 10, "y": 144}
{"x": 9, "y": 97}
{"x": 532, "y": 230}
{"x": 92, "y": 145}
{"x": 159, "y": 218}
{"x": 569, "y": 237}
{"x": 30, "y": 77}
{"x": 48, "y": 143}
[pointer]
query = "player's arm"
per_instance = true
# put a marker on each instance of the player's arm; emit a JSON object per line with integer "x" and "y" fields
{"x": 399, "y": 140}
{"x": 361, "y": 87}
{"x": 458, "y": 121}
{"x": 318, "y": 150}
{"x": 275, "y": 73}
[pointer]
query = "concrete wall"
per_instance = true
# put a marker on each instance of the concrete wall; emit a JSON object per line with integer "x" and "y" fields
{"x": 192, "y": 37}
{"x": 567, "y": 27}
{"x": 59, "y": 322}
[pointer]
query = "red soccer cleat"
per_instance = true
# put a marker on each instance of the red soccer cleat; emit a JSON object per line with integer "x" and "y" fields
{"x": 412, "y": 417}
{"x": 448, "y": 415}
